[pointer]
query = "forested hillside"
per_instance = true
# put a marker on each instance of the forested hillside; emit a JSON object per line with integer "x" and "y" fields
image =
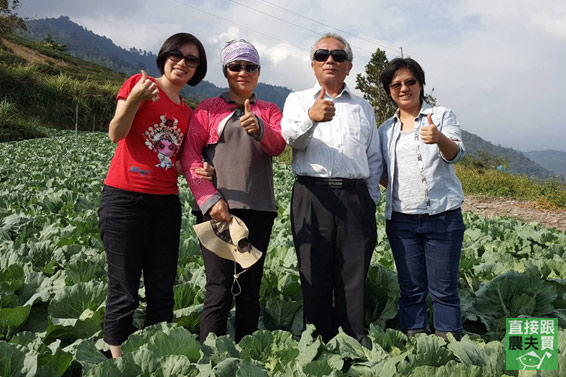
{"x": 85, "y": 44}
{"x": 516, "y": 162}
{"x": 92, "y": 47}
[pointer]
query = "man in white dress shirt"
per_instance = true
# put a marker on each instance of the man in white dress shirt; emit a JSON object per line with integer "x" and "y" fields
{"x": 337, "y": 160}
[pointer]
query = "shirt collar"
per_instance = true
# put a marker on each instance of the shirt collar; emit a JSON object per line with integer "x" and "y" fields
{"x": 426, "y": 109}
{"x": 316, "y": 90}
{"x": 226, "y": 97}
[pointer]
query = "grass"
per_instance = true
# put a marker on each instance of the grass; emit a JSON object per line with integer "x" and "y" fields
{"x": 13, "y": 127}
{"x": 479, "y": 179}
{"x": 48, "y": 94}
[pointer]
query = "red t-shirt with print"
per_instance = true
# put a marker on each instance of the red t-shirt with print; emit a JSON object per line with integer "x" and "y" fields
{"x": 144, "y": 161}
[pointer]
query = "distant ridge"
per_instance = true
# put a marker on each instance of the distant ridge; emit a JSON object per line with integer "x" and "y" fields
{"x": 550, "y": 159}
{"x": 518, "y": 162}
{"x": 92, "y": 47}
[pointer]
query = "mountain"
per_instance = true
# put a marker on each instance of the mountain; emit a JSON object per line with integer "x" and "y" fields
{"x": 89, "y": 46}
{"x": 517, "y": 161}
{"x": 92, "y": 47}
{"x": 550, "y": 159}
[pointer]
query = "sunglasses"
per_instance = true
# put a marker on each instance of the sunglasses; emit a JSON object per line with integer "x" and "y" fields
{"x": 190, "y": 60}
{"x": 408, "y": 83}
{"x": 322, "y": 55}
{"x": 250, "y": 68}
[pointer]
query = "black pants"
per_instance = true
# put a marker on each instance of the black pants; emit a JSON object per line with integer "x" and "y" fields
{"x": 220, "y": 276}
{"x": 334, "y": 232}
{"x": 140, "y": 233}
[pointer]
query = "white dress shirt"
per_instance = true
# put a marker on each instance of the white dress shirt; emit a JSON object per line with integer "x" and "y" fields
{"x": 345, "y": 147}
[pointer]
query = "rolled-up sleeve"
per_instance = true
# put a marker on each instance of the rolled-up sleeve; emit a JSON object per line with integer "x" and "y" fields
{"x": 451, "y": 128}
{"x": 296, "y": 126}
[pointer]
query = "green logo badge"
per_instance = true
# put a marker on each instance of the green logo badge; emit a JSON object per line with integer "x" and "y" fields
{"x": 531, "y": 344}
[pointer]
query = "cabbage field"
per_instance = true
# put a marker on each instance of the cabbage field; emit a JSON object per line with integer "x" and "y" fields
{"x": 53, "y": 288}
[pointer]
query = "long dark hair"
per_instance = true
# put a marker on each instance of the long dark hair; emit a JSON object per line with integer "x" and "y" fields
{"x": 175, "y": 42}
{"x": 396, "y": 64}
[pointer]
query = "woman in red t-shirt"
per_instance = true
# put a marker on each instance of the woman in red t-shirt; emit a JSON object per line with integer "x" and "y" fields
{"x": 140, "y": 211}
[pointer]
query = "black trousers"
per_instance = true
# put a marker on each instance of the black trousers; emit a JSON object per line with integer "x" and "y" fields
{"x": 220, "y": 276}
{"x": 334, "y": 232}
{"x": 140, "y": 233}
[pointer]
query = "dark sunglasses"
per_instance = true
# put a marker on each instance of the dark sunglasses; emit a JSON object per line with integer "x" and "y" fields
{"x": 408, "y": 83}
{"x": 322, "y": 55}
{"x": 190, "y": 60}
{"x": 250, "y": 68}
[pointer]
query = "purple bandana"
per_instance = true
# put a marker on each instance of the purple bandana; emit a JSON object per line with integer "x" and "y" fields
{"x": 239, "y": 50}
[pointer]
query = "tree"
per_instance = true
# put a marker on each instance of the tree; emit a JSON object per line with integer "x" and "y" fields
{"x": 370, "y": 84}
{"x": 9, "y": 20}
{"x": 52, "y": 43}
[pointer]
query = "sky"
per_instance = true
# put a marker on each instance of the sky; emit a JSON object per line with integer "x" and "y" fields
{"x": 500, "y": 65}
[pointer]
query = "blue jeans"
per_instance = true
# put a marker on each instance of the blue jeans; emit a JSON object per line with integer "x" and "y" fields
{"x": 427, "y": 251}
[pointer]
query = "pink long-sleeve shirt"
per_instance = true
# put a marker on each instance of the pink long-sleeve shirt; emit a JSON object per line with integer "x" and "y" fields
{"x": 207, "y": 124}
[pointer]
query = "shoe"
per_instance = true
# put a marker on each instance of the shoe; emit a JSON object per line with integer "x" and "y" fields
{"x": 443, "y": 334}
{"x": 412, "y": 332}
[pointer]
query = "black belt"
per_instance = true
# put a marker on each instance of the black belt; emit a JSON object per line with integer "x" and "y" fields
{"x": 336, "y": 183}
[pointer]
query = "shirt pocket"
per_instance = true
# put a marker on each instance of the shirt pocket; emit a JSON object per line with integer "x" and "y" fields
{"x": 357, "y": 127}
{"x": 436, "y": 119}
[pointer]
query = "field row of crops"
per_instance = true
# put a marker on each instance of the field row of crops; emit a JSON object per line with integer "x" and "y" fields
{"x": 53, "y": 288}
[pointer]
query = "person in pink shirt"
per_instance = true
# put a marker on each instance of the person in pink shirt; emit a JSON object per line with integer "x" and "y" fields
{"x": 238, "y": 134}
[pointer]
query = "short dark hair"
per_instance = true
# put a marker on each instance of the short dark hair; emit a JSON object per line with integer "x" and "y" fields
{"x": 396, "y": 64}
{"x": 175, "y": 42}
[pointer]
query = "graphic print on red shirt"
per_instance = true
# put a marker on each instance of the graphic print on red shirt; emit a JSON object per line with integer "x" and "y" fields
{"x": 165, "y": 139}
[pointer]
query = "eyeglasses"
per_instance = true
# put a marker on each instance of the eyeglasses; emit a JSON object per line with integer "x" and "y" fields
{"x": 321, "y": 55}
{"x": 190, "y": 60}
{"x": 408, "y": 83}
{"x": 250, "y": 68}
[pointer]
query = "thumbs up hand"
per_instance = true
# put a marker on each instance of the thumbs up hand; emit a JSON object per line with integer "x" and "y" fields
{"x": 249, "y": 121}
{"x": 145, "y": 89}
{"x": 322, "y": 110}
{"x": 430, "y": 134}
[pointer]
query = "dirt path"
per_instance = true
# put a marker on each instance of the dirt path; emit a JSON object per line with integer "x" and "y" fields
{"x": 31, "y": 55}
{"x": 524, "y": 211}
